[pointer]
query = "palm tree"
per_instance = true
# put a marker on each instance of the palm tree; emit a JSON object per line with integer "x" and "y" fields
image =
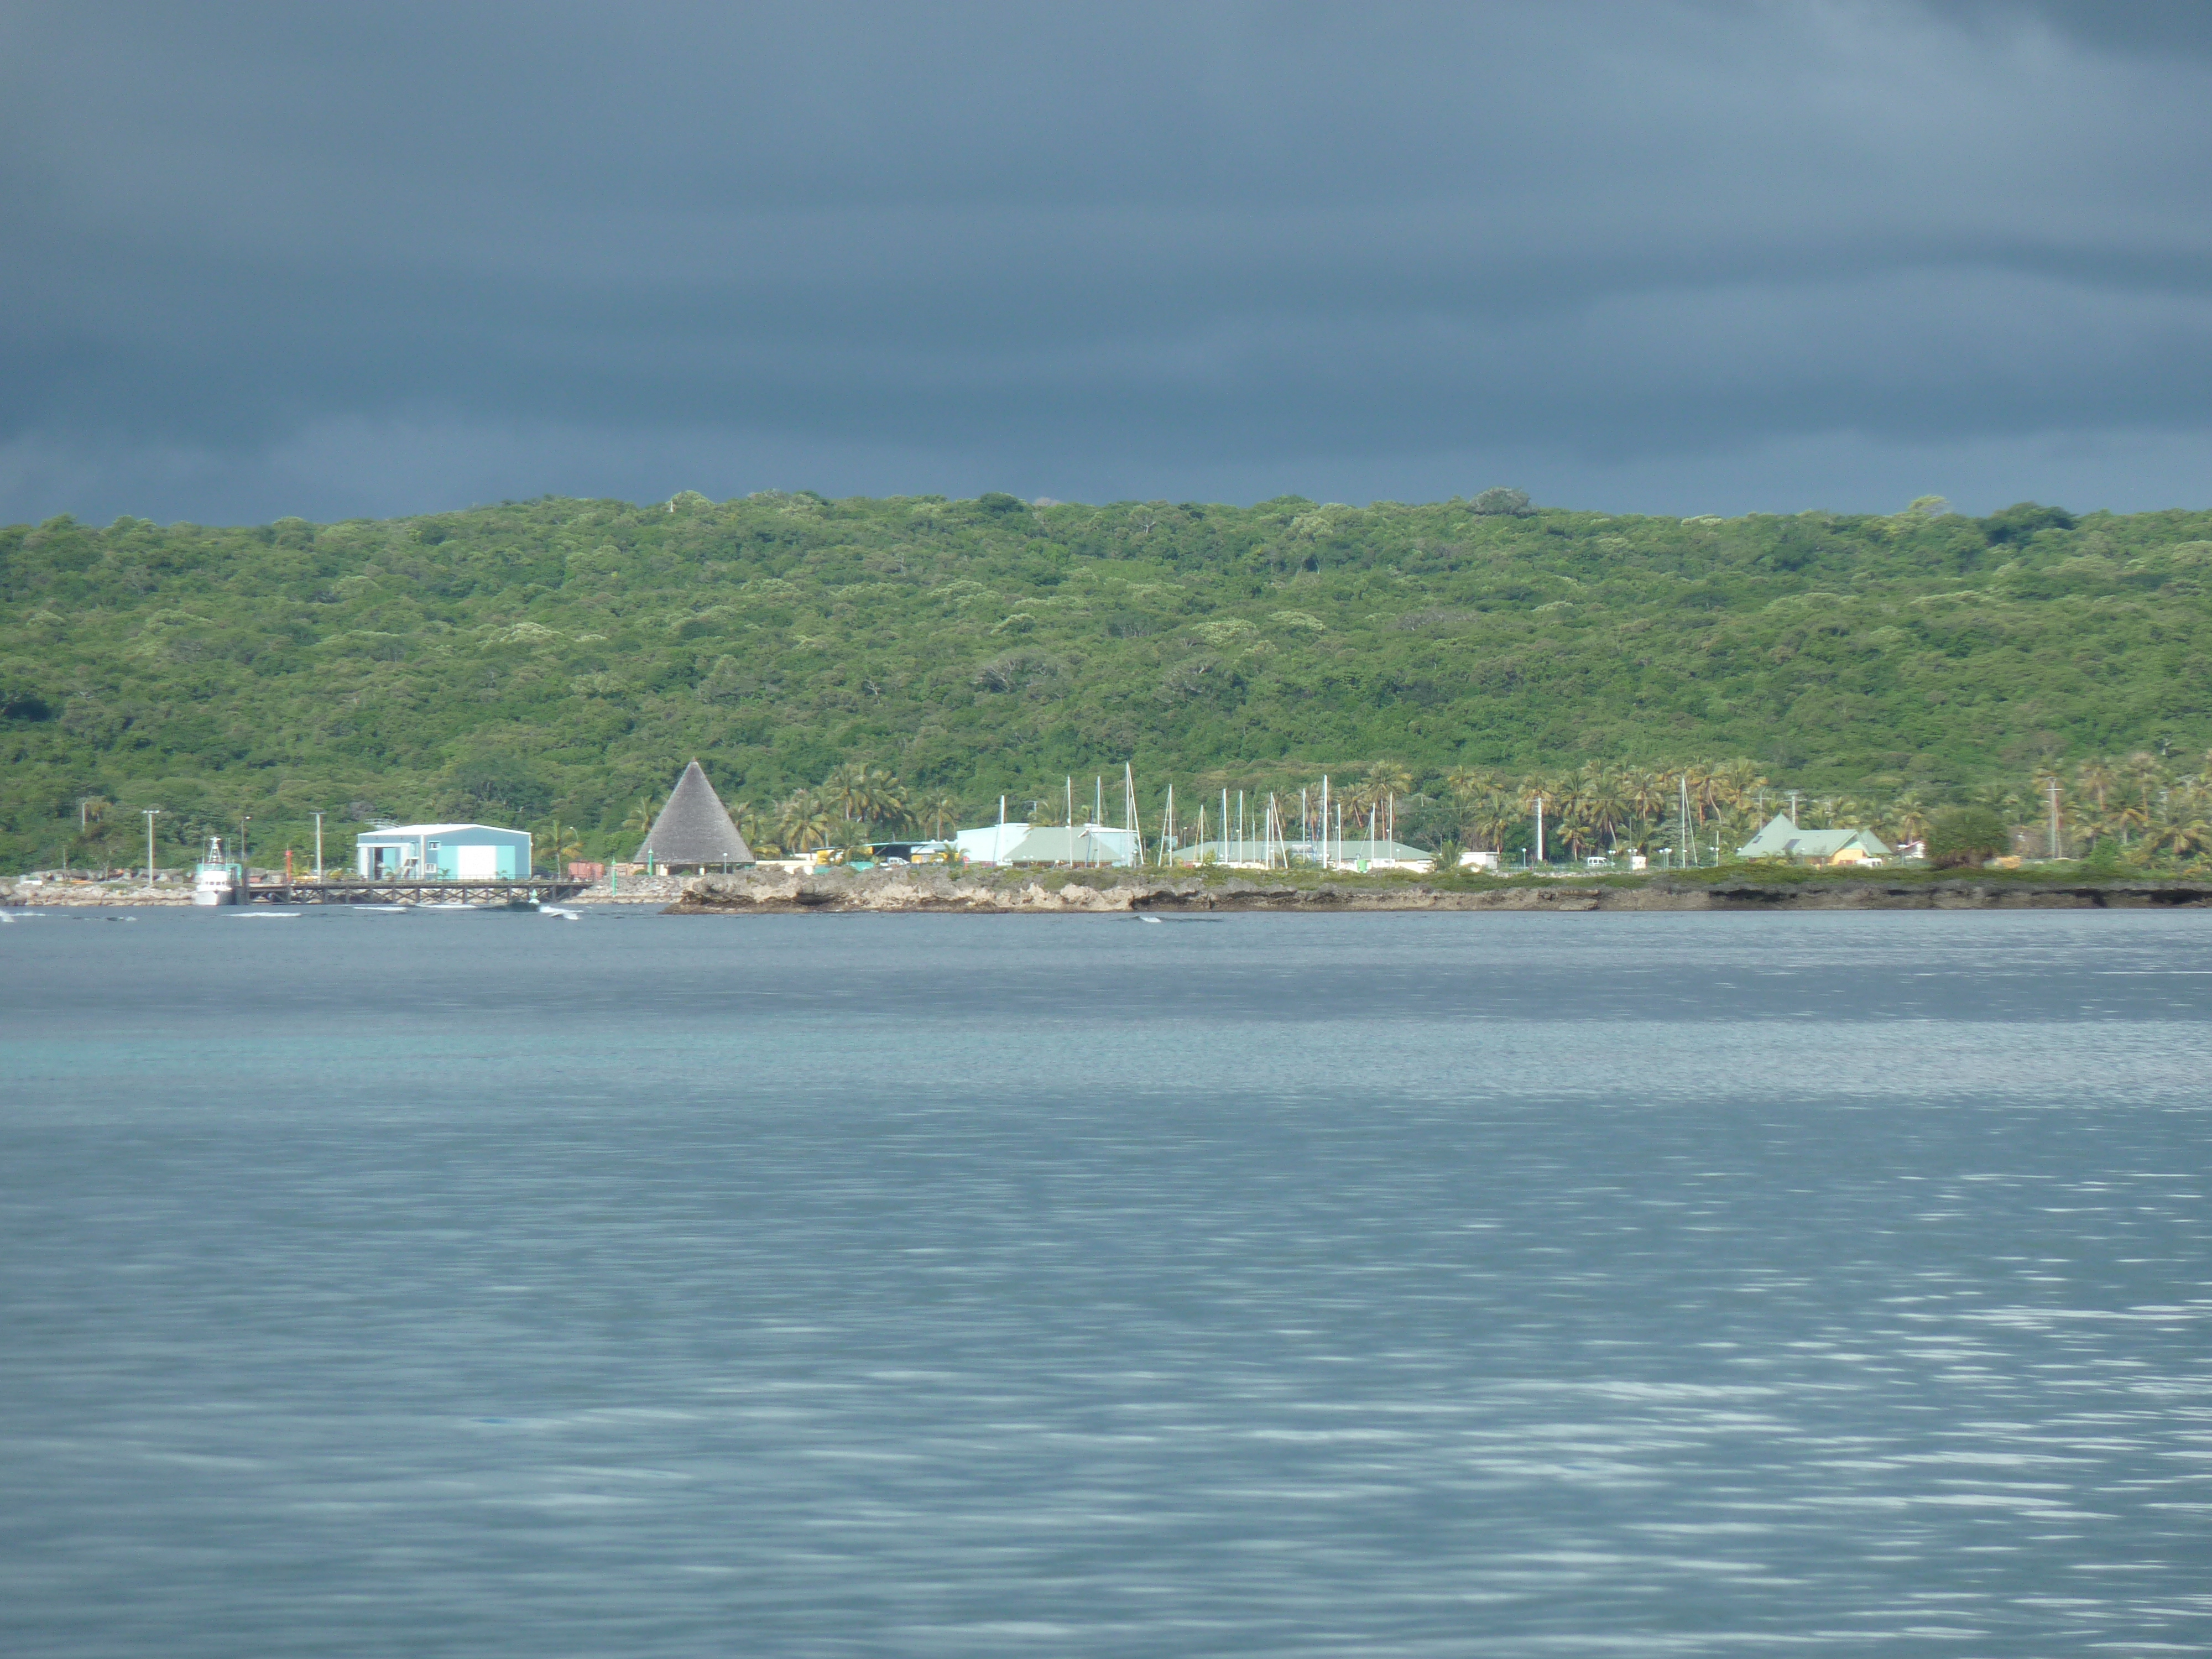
{"x": 2131, "y": 815}
{"x": 1493, "y": 817}
{"x": 1736, "y": 783}
{"x": 1384, "y": 779}
{"x": 562, "y": 845}
{"x": 2181, "y": 826}
{"x": 1907, "y": 817}
{"x": 758, "y": 830}
{"x": 936, "y": 810}
{"x": 1471, "y": 783}
{"x": 879, "y": 798}
{"x": 1574, "y": 826}
{"x": 1602, "y": 801}
{"x": 2191, "y": 822}
{"x": 2096, "y": 778}
{"x": 1553, "y": 787}
{"x": 2134, "y": 786}
{"x": 1644, "y": 791}
{"x": 805, "y": 821}
{"x": 643, "y": 815}
{"x": 861, "y": 792}
{"x": 1739, "y": 824}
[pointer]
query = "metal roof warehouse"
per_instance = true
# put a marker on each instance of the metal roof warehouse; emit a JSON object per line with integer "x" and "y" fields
{"x": 449, "y": 852}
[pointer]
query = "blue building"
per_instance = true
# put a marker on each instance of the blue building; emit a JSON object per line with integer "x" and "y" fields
{"x": 442, "y": 851}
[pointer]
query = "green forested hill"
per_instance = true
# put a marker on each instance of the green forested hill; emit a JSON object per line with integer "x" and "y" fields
{"x": 568, "y": 656}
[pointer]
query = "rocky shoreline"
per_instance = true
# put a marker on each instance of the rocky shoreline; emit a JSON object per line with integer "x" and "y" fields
{"x": 55, "y": 895}
{"x": 839, "y": 891}
{"x": 836, "y": 891}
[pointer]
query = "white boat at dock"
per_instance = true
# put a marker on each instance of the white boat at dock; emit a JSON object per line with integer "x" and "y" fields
{"x": 217, "y": 880}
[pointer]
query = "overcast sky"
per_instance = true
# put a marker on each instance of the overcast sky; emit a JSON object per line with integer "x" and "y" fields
{"x": 1673, "y": 256}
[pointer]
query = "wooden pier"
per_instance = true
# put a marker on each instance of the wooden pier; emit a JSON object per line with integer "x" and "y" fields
{"x": 519, "y": 895}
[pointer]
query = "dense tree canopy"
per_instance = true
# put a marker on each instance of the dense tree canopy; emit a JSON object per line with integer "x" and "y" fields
{"x": 1965, "y": 835}
{"x": 566, "y": 657}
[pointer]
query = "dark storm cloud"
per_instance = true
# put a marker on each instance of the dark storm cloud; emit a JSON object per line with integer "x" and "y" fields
{"x": 1675, "y": 256}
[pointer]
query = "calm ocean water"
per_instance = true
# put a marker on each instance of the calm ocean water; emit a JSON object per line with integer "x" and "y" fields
{"x": 440, "y": 1283}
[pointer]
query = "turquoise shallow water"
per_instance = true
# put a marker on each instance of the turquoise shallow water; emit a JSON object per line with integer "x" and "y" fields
{"x": 1414, "y": 1284}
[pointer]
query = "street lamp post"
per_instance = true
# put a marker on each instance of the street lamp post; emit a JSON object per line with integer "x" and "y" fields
{"x": 244, "y": 859}
{"x": 318, "y": 847}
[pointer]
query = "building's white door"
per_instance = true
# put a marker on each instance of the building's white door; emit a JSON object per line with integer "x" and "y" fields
{"x": 476, "y": 863}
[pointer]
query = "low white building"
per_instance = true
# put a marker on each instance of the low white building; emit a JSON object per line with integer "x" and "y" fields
{"x": 989, "y": 844}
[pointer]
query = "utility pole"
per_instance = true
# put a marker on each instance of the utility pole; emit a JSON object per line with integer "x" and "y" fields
{"x": 2054, "y": 817}
{"x": 318, "y": 845}
{"x": 245, "y": 863}
{"x": 1540, "y": 829}
{"x": 149, "y": 813}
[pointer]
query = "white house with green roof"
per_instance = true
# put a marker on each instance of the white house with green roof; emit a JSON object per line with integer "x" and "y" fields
{"x": 1781, "y": 839}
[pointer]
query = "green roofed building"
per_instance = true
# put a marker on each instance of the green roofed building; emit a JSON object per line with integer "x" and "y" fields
{"x": 1087, "y": 843}
{"x": 1781, "y": 839}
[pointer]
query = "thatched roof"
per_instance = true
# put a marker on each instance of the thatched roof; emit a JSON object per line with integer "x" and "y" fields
{"x": 693, "y": 828}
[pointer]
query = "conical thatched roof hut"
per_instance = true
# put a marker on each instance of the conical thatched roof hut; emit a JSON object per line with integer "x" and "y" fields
{"x": 694, "y": 831}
